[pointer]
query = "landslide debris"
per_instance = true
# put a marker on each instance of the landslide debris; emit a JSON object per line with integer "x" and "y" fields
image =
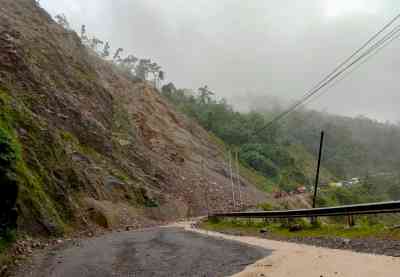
{"x": 85, "y": 144}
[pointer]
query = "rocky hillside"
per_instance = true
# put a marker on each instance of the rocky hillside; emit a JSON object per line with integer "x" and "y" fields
{"x": 85, "y": 144}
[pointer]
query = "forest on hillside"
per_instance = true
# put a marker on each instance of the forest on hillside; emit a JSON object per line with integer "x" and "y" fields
{"x": 286, "y": 151}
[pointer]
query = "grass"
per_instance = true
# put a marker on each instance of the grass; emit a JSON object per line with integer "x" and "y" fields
{"x": 280, "y": 229}
{"x": 6, "y": 240}
{"x": 307, "y": 163}
{"x": 257, "y": 179}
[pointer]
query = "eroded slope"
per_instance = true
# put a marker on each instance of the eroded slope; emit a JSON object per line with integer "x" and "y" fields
{"x": 86, "y": 143}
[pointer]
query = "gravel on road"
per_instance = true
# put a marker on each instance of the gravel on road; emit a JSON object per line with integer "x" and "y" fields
{"x": 300, "y": 260}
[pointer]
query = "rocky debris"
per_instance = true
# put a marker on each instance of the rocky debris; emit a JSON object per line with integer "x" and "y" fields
{"x": 130, "y": 227}
{"x": 3, "y": 270}
{"x": 370, "y": 245}
{"x": 111, "y": 182}
{"x": 68, "y": 106}
{"x": 8, "y": 53}
{"x": 263, "y": 231}
{"x": 22, "y": 250}
{"x": 376, "y": 246}
{"x": 395, "y": 227}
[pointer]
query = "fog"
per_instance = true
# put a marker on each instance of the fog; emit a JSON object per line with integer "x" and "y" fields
{"x": 244, "y": 50}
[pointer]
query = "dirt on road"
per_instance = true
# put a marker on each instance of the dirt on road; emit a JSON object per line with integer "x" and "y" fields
{"x": 298, "y": 260}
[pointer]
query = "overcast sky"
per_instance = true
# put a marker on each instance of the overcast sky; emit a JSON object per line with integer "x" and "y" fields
{"x": 254, "y": 48}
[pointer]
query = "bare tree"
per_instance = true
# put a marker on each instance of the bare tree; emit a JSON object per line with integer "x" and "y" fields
{"x": 205, "y": 94}
{"x": 143, "y": 68}
{"x": 95, "y": 43}
{"x": 106, "y": 50}
{"x": 84, "y": 36}
{"x": 154, "y": 69}
{"x": 117, "y": 55}
{"x": 62, "y": 20}
{"x": 161, "y": 77}
{"x": 135, "y": 66}
{"x": 129, "y": 63}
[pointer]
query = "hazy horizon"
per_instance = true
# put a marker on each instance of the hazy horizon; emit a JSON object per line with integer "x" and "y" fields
{"x": 243, "y": 51}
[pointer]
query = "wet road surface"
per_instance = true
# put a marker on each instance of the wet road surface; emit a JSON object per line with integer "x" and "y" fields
{"x": 153, "y": 252}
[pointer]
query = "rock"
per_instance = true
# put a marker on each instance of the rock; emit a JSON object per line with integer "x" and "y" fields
{"x": 3, "y": 270}
{"x": 111, "y": 181}
{"x": 263, "y": 231}
{"x": 78, "y": 157}
{"x": 346, "y": 241}
{"x": 129, "y": 227}
{"x": 295, "y": 228}
{"x": 63, "y": 116}
{"x": 51, "y": 227}
{"x": 124, "y": 142}
{"x": 395, "y": 227}
{"x": 59, "y": 241}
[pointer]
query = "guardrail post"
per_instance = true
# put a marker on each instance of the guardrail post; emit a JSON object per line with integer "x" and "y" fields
{"x": 351, "y": 221}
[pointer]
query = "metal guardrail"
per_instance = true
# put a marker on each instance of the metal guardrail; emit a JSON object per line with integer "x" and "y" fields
{"x": 359, "y": 209}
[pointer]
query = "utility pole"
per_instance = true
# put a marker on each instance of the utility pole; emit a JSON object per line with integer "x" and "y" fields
{"x": 238, "y": 179}
{"x": 321, "y": 143}
{"x": 233, "y": 186}
{"x": 205, "y": 185}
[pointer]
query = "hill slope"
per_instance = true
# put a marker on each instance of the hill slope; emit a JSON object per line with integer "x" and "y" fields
{"x": 83, "y": 143}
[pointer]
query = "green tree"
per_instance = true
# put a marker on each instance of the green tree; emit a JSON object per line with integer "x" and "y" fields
{"x": 205, "y": 94}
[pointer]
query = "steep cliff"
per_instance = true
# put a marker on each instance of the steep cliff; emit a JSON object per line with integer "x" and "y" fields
{"x": 83, "y": 143}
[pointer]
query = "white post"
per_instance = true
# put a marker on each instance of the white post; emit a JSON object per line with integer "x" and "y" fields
{"x": 238, "y": 179}
{"x": 233, "y": 185}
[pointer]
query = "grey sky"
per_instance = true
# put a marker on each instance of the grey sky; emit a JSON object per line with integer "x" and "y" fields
{"x": 252, "y": 48}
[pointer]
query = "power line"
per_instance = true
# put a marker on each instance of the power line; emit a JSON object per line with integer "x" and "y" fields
{"x": 384, "y": 42}
{"x": 377, "y": 34}
{"x": 376, "y": 46}
{"x": 371, "y": 53}
{"x": 339, "y": 70}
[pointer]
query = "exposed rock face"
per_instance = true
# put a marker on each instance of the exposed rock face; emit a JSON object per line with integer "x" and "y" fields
{"x": 88, "y": 131}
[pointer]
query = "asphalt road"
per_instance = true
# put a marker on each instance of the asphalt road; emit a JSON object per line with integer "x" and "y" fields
{"x": 153, "y": 252}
